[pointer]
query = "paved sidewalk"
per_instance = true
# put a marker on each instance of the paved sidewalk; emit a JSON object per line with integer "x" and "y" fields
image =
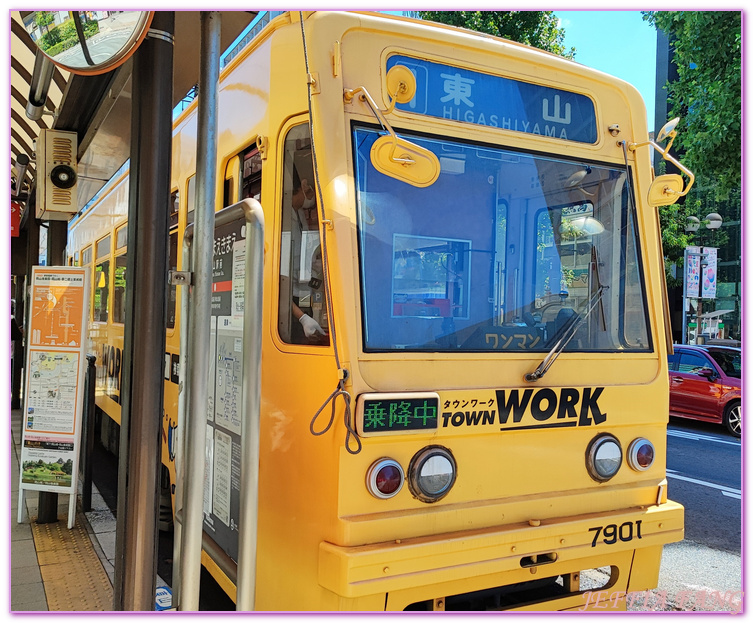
{"x": 49, "y": 570}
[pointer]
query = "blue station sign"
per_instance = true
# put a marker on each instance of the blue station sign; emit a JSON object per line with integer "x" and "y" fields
{"x": 473, "y": 97}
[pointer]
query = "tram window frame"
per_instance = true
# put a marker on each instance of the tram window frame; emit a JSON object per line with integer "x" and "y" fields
{"x": 172, "y": 289}
{"x": 121, "y": 262}
{"x": 174, "y": 208}
{"x": 103, "y": 246}
{"x": 85, "y": 260}
{"x": 190, "y": 198}
{"x": 251, "y": 181}
{"x": 297, "y": 165}
{"x": 102, "y": 252}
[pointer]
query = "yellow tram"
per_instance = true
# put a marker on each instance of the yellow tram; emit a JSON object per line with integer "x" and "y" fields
{"x": 462, "y": 242}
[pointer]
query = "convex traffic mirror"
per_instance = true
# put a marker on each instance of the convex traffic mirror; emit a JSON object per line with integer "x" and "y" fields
{"x": 87, "y": 42}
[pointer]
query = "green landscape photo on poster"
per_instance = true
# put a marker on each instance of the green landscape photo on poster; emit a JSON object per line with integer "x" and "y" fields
{"x": 39, "y": 472}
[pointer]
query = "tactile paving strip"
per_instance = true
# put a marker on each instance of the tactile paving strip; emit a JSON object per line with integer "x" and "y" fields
{"x": 73, "y": 576}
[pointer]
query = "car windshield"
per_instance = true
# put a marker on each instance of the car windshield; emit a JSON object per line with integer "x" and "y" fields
{"x": 502, "y": 253}
{"x": 728, "y": 361}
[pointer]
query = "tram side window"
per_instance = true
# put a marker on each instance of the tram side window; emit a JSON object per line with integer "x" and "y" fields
{"x": 119, "y": 287}
{"x": 101, "y": 290}
{"x": 191, "y": 199}
{"x": 173, "y": 294}
{"x": 302, "y": 307}
{"x": 251, "y": 185}
{"x": 102, "y": 280}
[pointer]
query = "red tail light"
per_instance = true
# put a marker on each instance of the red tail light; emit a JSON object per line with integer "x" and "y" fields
{"x": 384, "y": 478}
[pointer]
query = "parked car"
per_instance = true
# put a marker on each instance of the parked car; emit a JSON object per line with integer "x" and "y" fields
{"x": 704, "y": 384}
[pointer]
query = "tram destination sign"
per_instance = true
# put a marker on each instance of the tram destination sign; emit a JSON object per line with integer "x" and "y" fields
{"x": 483, "y": 99}
{"x": 397, "y": 413}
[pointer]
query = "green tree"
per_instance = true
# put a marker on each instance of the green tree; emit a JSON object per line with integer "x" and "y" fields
{"x": 707, "y": 92}
{"x": 43, "y": 19}
{"x": 536, "y": 28}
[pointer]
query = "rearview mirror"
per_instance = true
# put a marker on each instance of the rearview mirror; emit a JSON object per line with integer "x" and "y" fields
{"x": 665, "y": 190}
{"x": 406, "y": 161}
{"x": 87, "y": 42}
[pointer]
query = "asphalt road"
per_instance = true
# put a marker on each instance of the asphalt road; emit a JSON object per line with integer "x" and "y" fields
{"x": 704, "y": 572}
{"x": 704, "y": 475}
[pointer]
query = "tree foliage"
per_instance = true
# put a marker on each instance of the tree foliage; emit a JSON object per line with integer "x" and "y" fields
{"x": 707, "y": 92}
{"x": 44, "y": 18}
{"x": 536, "y": 28}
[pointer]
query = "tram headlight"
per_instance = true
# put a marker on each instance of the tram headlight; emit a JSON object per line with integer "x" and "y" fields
{"x": 641, "y": 454}
{"x": 431, "y": 473}
{"x": 384, "y": 478}
{"x": 603, "y": 457}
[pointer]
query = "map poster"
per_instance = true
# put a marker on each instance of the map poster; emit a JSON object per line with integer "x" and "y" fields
{"x": 57, "y": 304}
{"x": 54, "y": 389}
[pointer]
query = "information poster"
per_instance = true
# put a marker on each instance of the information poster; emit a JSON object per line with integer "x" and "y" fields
{"x": 223, "y": 451}
{"x": 692, "y": 272}
{"x": 53, "y": 396}
{"x": 708, "y": 277}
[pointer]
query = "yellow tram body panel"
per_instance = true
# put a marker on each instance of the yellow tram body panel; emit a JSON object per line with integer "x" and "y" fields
{"x": 523, "y": 506}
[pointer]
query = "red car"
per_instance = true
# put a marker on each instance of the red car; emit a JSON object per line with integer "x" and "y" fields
{"x": 704, "y": 384}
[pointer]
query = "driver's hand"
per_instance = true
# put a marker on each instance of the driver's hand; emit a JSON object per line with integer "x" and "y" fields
{"x": 310, "y": 326}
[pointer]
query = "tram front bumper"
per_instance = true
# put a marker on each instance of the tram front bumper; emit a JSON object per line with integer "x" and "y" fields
{"x": 563, "y": 543}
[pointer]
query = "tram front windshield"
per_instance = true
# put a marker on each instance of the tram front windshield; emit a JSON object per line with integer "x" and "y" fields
{"x": 506, "y": 252}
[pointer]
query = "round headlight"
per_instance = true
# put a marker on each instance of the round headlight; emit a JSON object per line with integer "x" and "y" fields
{"x": 640, "y": 455}
{"x": 384, "y": 478}
{"x": 431, "y": 473}
{"x": 603, "y": 457}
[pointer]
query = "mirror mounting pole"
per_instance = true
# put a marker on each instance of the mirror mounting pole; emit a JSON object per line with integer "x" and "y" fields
{"x": 40, "y": 85}
{"x": 668, "y": 131}
{"x": 350, "y": 94}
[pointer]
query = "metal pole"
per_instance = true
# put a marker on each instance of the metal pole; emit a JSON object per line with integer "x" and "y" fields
{"x": 146, "y": 312}
{"x": 685, "y": 297}
{"x": 250, "y": 407}
{"x": 201, "y": 293}
{"x": 47, "y": 506}
{"x": 18, "y": 347}
{"x": 57, "y": 238}
{"x": 88, "y": 429}
{"x": 183, "y": 408}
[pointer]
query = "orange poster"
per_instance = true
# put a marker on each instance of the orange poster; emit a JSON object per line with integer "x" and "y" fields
{"x": 57, "y": 306}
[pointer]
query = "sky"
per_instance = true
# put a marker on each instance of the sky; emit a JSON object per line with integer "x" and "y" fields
{"x": 619, "y": 43}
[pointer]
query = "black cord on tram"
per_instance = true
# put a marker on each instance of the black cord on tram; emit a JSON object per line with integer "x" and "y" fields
{"x": 342, "y": 373}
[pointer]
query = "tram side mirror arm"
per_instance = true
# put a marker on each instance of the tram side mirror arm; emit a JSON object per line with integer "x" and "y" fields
{"x": 391, "y": 154}
{"x": 666, "y": 189}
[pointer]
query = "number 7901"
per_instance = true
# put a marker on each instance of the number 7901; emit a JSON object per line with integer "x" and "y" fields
{"x": 611, "y": 533}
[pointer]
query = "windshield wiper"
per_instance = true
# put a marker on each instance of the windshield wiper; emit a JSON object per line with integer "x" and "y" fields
{"x": 567, "y": 335}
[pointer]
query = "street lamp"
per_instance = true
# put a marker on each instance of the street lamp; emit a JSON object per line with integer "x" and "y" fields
{"x": 713, "y": 221}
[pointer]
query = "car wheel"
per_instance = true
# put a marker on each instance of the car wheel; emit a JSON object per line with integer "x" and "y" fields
{"x": 733, "y": 414}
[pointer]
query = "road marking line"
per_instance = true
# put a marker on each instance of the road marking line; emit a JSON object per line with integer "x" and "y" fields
{"x": 733, "y": 495}
{"x": 696, "y": 437}
{"x": 734, "y": 492}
